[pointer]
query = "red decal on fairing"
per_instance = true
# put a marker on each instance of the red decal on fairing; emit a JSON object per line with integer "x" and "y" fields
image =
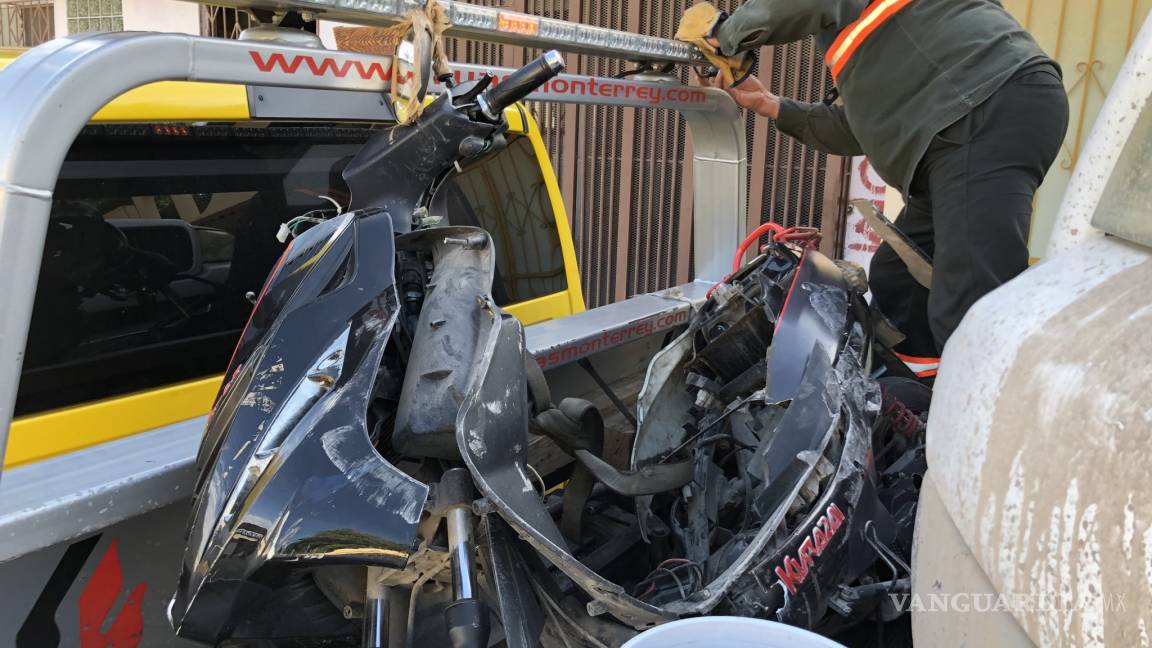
{"x": 793, "y": 572}
{"x": 320, "y": 67}
{"x": 820, "y": 539}
{"x": 97, "y": 600}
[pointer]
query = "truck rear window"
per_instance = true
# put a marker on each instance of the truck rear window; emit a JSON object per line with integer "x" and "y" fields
{"x": 158, "y": 231}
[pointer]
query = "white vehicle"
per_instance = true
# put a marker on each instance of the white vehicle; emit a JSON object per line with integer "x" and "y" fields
{"x": 1035, "y": 526}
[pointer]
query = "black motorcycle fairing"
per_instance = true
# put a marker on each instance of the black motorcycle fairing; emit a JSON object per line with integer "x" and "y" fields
{"x": 822, "y": 436}
{"x": 829, "y": 420}
{"x": 492, "y": 429}
{"x": 457, "y": 313}
{"x": 818, "y": 322}
{"x": 291, "y": 476}
{"x": 492, "y": 434}
{"x": 275, "y": 296}
{"x": 827, "y": 546}
{"x": 511, "y": 584}
{"x": 419, "y": 153}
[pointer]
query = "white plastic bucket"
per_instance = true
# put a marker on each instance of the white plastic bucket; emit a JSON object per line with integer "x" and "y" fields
{"x": 728, "y": 632}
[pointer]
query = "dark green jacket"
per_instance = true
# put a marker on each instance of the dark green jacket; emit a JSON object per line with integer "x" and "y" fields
{"x": 918, "y": 73}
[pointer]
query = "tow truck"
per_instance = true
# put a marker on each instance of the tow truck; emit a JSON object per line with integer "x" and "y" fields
{"x": 136, "y": 168}
{"x": 91, "y": 533}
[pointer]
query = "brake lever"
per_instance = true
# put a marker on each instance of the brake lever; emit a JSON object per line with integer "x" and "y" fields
{"x": 469, "y": 94}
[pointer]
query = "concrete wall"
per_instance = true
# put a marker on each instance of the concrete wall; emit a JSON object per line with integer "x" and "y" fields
{"x": 325, "y": 30}
{"x": 1089, "y": 38}
{"x": 60, "y": 17}
{"x": 146, "y": 15}
{"x": 162, "y": 16}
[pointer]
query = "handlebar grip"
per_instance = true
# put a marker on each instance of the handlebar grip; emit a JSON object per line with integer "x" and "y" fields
{"x": 521, "y": 83}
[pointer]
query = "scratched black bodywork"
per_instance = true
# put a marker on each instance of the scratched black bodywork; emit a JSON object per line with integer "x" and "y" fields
{"x": 838, "y": 399}
{"x": 398, "y": 168}
{"x": 456, "y": 315}
{"x": 292, "y": 483}
{"x": 289, "y": 477}
{"x": 796, "y": 340}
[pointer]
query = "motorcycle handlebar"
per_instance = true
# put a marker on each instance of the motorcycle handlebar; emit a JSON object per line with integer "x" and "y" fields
{"x": 521, "y": 83}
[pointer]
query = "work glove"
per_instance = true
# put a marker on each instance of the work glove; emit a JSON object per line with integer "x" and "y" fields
{"x": 697, "y": 25}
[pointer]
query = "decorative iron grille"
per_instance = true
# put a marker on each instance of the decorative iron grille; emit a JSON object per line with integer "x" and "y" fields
{"x": 26, "y": 23}
{"x": 223, "y": 22}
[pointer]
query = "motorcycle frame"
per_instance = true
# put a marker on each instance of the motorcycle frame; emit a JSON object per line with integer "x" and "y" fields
{"x": 52, "y": 91}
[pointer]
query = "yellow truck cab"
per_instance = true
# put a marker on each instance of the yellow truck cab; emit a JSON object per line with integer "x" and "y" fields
{"x": 164, "y": 220}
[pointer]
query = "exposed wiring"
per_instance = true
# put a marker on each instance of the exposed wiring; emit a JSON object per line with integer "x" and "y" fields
{"x": 807, "y": 236}
{"x": 684, "y": 562}
{"x": 679, "y": 583}
{"x": 338, "y": 206}
{"x": 543, "y": 486}
{"x": 884, "y": 550}
{"x": 720, "y": 419}
{"x": 289, "y": 229}
{"x": 671, "y": 568}
{"x": 416, "y": 588}
{"x": 741, "y": 249}
{"x": 557, "y": 610}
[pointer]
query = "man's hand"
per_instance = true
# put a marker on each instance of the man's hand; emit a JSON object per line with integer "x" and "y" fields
{"x": 751, "y": 94}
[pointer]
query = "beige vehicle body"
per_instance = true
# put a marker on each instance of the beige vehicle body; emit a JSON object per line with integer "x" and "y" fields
{"x": 1035, "y": 526}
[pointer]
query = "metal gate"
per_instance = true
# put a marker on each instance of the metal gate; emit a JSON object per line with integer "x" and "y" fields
{"x": 223, "y": 22}
{"x": 622, "y": 171}
{"x": 26, "y": 23}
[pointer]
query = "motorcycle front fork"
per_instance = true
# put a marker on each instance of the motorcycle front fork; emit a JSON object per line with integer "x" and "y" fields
{"x": 375, "y": 633}
{"x": 466, "y": 617}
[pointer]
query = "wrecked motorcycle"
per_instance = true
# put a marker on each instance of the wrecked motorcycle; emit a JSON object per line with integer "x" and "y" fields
{"x": 364, "y": 477}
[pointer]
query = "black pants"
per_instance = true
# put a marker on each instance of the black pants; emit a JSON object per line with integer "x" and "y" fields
{"x": 970, "y": 207}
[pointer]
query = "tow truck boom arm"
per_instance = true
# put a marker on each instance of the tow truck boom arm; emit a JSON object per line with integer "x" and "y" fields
{"x": 498, "y": 26}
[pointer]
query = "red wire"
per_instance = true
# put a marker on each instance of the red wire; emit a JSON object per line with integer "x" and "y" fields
{"x": 777, "y": 232}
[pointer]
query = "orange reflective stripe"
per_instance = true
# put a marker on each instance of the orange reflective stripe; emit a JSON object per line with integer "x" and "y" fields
{"x": 916, "y": 360}
{"x": 854, "y": 35}
{"x": 922, "y": 367}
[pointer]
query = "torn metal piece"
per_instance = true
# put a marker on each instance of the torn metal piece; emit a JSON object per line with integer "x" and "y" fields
{"x": 919, "y": 264}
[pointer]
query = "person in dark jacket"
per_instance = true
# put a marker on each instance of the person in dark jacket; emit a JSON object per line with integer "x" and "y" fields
{"x": 954, "y": 104}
